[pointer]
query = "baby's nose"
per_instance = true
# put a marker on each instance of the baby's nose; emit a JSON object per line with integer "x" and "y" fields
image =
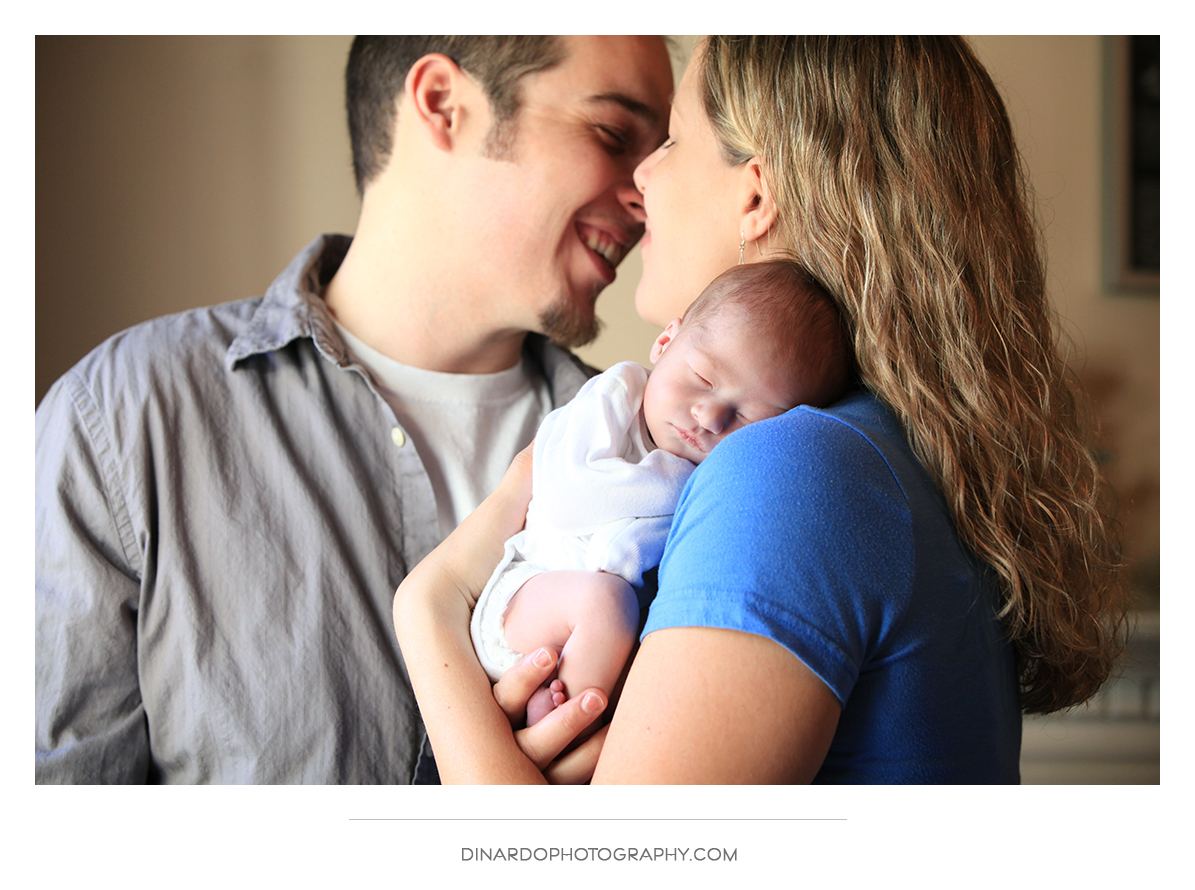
{"x": 713, "y": 417}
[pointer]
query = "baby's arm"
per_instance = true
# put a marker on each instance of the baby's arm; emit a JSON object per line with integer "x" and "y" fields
{"x": 591, "y": 618}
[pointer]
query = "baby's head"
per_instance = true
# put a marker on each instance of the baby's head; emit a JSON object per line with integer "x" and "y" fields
{"x": 761, "y": 339}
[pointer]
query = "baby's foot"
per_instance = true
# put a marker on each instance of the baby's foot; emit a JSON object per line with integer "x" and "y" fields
{"x": 544, "y": 701}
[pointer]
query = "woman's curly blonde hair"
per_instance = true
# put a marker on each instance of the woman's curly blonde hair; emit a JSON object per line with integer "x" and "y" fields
{"x": 899, "y": 187}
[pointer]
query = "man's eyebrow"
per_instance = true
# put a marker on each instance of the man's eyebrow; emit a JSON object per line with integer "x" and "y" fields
{"x": 641, "y": 109}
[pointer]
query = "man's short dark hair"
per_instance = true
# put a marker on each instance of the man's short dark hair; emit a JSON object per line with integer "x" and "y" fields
{"x": 377, "y": 71}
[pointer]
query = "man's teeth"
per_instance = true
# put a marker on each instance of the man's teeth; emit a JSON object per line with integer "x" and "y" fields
{"x": 607, "y": 247}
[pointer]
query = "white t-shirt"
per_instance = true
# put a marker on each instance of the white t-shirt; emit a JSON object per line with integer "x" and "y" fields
{"x": 467, "y": 428}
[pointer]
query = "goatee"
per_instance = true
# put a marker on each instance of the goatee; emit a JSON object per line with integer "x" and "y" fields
{"x": 568, "y": 328}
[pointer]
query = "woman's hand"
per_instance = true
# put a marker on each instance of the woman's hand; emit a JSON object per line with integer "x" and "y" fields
{"x": 543, "y": 743}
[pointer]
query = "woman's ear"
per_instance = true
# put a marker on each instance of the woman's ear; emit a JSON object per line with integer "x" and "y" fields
{"x": 665, "y": 338}
{"x": 433, "y": 96}
{"x": 759, "y": 207}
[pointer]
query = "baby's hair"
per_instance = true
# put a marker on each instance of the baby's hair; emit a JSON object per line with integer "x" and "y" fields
{"x": 791, "y": 311}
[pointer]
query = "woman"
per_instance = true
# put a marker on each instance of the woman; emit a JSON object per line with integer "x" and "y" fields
{"x": 871, "y": 593}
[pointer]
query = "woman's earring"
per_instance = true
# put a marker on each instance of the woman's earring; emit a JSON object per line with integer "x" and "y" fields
{"x": 742, "y": 244}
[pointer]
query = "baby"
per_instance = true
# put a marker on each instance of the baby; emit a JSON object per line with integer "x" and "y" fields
{"x": 608, "y": 469}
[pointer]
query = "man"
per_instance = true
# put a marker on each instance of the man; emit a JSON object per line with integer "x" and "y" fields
{"x": 228, "y": 498}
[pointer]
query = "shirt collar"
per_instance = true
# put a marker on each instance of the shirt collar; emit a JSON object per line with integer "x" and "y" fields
{"x": 293, "y": 307}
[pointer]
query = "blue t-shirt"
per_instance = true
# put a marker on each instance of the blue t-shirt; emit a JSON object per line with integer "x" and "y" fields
{"x": 819, "y": 529}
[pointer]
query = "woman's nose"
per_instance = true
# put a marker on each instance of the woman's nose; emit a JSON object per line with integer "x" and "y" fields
{"x": 643, "y": 171}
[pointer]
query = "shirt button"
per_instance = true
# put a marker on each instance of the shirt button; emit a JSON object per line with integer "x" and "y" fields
{"x": 397, "y": 437}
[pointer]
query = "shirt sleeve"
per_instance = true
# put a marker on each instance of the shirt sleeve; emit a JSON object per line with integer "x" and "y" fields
{"x": 628, "y": 547}
{"x": 90, "y": 721}
{"x": 794, "y": 529}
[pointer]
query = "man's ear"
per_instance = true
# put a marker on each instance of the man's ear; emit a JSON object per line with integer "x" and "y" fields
{"x": 758, "y": 206}
{"x": 663, "y": 341}
{"x": 433, "y": 95}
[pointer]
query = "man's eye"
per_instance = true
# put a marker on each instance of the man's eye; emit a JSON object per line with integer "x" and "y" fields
{"x": 615, "y": 138}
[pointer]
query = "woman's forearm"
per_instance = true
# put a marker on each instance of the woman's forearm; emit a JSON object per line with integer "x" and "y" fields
{"x": 469, "y": 734}
{"x": 709, "y": 705}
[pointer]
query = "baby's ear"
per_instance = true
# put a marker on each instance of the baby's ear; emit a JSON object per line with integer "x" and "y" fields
{"x": 665, "y": 338}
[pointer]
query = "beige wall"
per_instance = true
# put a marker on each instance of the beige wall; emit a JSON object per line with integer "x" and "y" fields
{"x": 182, "y": 171}
{"x": 177, "y": 172}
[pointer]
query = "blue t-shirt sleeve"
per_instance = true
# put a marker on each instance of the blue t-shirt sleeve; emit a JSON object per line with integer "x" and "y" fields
{"x": 796, "y": 529}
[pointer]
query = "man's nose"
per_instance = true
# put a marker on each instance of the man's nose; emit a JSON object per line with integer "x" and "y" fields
{"x": 632, "y": 202}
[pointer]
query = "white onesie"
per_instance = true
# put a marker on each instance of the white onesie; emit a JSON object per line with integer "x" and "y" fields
{"x": 602, "y": 499}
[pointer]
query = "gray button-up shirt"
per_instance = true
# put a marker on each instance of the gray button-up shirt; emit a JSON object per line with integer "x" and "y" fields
{"x": 223, "y": 515}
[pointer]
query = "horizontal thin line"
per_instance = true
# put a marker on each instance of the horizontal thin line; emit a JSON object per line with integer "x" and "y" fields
{"x": 600, "y": 819}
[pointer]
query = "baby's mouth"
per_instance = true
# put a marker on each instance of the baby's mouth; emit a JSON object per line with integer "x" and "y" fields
{"x": 690, "y": 439}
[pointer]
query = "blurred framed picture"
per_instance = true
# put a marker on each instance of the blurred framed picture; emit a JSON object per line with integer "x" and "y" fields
{"x": 1132, "y": 157}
